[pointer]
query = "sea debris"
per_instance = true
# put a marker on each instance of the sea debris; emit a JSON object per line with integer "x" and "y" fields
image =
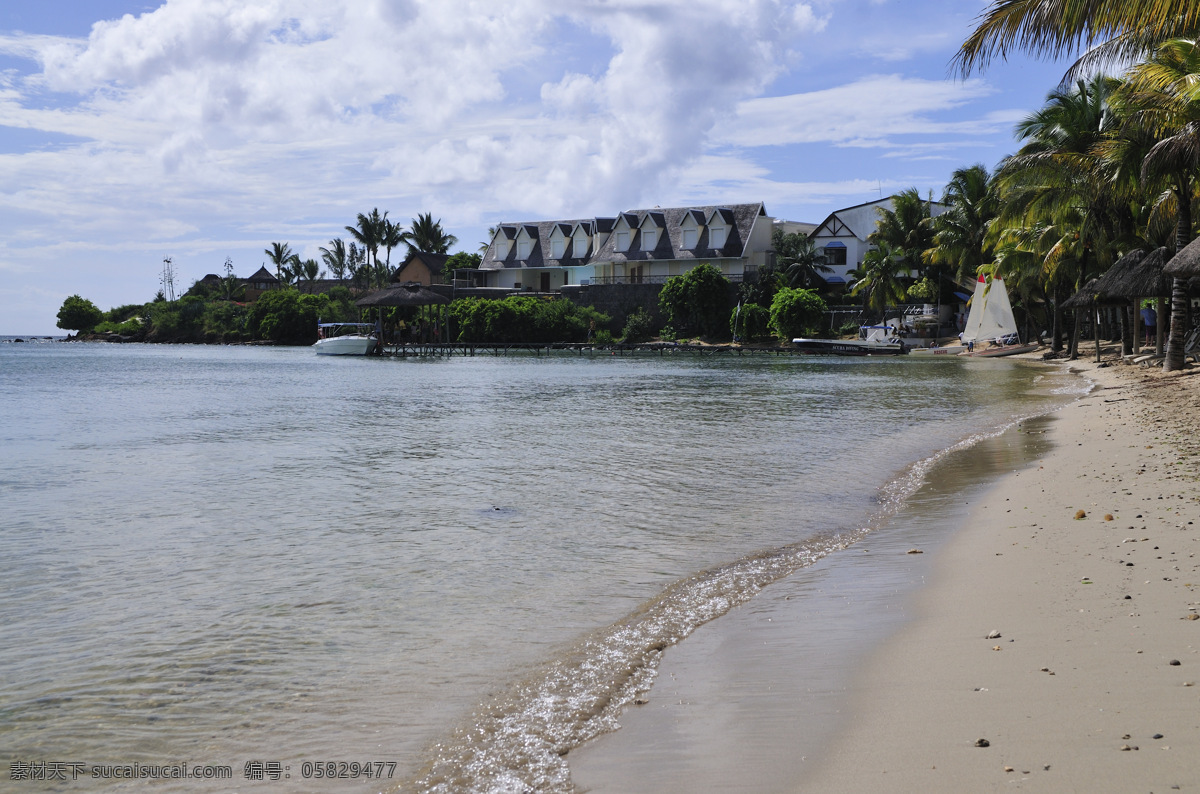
{"x": 994, "y": 634}
{"x": 1080, "y": 515}
{"x": 982, "y": 743}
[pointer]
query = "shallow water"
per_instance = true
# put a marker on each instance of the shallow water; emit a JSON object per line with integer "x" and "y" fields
{"x": 219, "y": 555}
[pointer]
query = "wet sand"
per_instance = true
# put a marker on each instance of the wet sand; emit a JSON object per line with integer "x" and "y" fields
{"x": 1091, "y": 614}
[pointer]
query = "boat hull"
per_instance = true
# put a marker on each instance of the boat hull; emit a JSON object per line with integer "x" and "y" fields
{"x": 997, "y": 352}
{"x": 848, "y": 347}
{"x": 348, "y": 345}
{"x": 937, "y": 351}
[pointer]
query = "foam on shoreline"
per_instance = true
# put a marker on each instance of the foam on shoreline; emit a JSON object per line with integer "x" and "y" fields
{"x": 1079, "y": 666}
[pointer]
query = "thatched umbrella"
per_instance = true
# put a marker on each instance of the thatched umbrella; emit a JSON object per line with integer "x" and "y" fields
{"x": 409, "y": 293}
{"x": 1089, "y": 297}
{"x": 1184, "y": 265}
{"x": 1135, "y": 276}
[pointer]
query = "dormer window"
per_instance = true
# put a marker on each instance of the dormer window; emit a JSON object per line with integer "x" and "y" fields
{"x": 689, "y": 237}
{"x": 622, "y": 239}
{"x": 716, "y": 236}
{"x": 649, "y": 239}
{"x": 503, "y": 246}
{"x": 524, "y": 248}
{"x": 557, "y": 247}
{"x": 580, "y": 246}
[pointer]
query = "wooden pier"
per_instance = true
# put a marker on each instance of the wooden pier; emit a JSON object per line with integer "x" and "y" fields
{"x": 447, "y": 349}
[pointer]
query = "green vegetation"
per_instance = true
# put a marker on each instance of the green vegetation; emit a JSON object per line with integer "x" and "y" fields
{"x": 79, "y": 314}
{"x": 750, "y": 322}
{"x": 638, "y": 326}
{"x": 697, "y": 302}
{"x": 520, "y": 318}
{"x": 796, "y": 312}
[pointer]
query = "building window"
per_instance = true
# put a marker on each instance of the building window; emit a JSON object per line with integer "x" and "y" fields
{"x": 716, "y": 237}
{"x": 649, "y": 239}
{"x": 689, "y": 238}
{"x": 557, "y": 245}
{"x": 835, "y": 256}
{"x": 622, "y": 239}
{"x": 581, "y": 246}
{"x": 524, "y": 248}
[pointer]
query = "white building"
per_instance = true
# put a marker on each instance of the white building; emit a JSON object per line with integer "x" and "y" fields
{"x": 843, "y": 235}
{"x": 639, "y": 246}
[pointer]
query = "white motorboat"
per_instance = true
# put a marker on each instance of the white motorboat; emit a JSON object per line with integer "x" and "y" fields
{"x": 991, "y": 330}
{"x": 873, "y": 340}
{"x": 345, "y": 339}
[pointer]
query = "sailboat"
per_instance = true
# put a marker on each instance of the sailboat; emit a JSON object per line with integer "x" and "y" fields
{"x": 991, "y": 330}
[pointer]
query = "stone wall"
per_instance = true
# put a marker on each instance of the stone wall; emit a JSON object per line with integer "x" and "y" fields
{"x": 618, "y": 301}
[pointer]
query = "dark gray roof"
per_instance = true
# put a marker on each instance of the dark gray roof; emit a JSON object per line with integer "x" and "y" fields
{"x": 263, "y": 275}
{"x": 1136, "y": 275}
{"x": 540, "y": 255}
{"x": 740, "y": 218}
{"x": 1186, "y": 262}
{"x": 409, "y": 293}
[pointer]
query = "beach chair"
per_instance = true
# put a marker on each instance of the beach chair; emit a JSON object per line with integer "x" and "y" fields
{"x": 1191, "y": 346}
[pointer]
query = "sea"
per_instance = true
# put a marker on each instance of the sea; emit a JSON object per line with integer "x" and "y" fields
{"x": 236, "y": 568}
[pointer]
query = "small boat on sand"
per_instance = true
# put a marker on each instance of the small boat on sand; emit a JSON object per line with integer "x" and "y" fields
{"x": 345, "y": 339}
{"x": 991, "y": 330}
{"x": 873, "y": 340}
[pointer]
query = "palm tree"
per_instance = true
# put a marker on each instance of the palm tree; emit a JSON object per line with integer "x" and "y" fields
{"x": 880, "y": 277}
{"x": 336, "y": 258}
{"x": 483, "y": 247}
{"x": 959, "y": 233}
{"x": 906, "y": 227}
{"x": 427, "y": 236}
{"x": 307, "y": 272}
{"x": 1160, "y": 99}
{"x": 368, "y": 233}
{"x": 1123, "y": 29}
{"x": 392, "y": 235}
{"x": 281, "y": 256}
{"x": 1059, "y": 185}
{"x": 798, "y": 257}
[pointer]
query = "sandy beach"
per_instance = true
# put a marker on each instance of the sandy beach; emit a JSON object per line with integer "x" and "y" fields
{"x": 1050, "y": 644}
{"x": 1086, "y": 569}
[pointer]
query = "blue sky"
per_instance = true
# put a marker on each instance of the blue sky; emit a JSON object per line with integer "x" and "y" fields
{"x": 206, "y": 129}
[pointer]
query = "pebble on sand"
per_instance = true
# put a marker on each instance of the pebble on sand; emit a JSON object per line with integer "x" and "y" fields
{"x": 982, "y": 743}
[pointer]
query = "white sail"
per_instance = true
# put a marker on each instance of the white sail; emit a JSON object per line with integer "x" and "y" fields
{"x": 991, "y": 315}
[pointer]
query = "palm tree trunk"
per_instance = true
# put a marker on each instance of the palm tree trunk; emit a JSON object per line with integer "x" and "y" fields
{"x": 1056, "y": 343}
{"x": 1179, "y": 302}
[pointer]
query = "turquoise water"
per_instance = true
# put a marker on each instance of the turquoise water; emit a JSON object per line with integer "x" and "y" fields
{"x": 464, "y": 567}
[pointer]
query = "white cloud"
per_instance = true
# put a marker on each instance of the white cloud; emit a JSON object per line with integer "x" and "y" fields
{"x": 868, "y": 112}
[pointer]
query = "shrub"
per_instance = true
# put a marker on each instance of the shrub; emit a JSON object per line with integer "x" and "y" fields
{"x": 697, "y": 302}
{"x": 522, "y": 318}
{"x": 750, "y": 322}
{"x": 795, "y": 312}
{"x": 638, "y": 326}
{"x": 79, "y": 314}
{"x": 923, "y": 290}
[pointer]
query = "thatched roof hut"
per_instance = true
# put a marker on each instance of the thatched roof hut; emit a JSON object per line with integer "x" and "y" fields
{"x": 1085, "y": 298}
{"x": 1186, "y": 263}
{"x": 408, "y": 294}
{"x": 1137, "y": 275}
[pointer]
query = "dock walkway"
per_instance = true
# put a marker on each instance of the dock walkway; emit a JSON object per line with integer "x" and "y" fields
{"x": 445, "y": 349}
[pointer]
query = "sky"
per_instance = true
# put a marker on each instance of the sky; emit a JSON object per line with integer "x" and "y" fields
{"x": 205, "y": 130}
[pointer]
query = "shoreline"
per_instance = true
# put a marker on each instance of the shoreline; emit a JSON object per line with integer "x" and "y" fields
{"x": 906, "y": 709}
{"x": 1091, "y": 684}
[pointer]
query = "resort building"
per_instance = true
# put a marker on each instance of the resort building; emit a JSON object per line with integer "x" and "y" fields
{"x": 843, "y": 235}
{"x": 635, "y": 247}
